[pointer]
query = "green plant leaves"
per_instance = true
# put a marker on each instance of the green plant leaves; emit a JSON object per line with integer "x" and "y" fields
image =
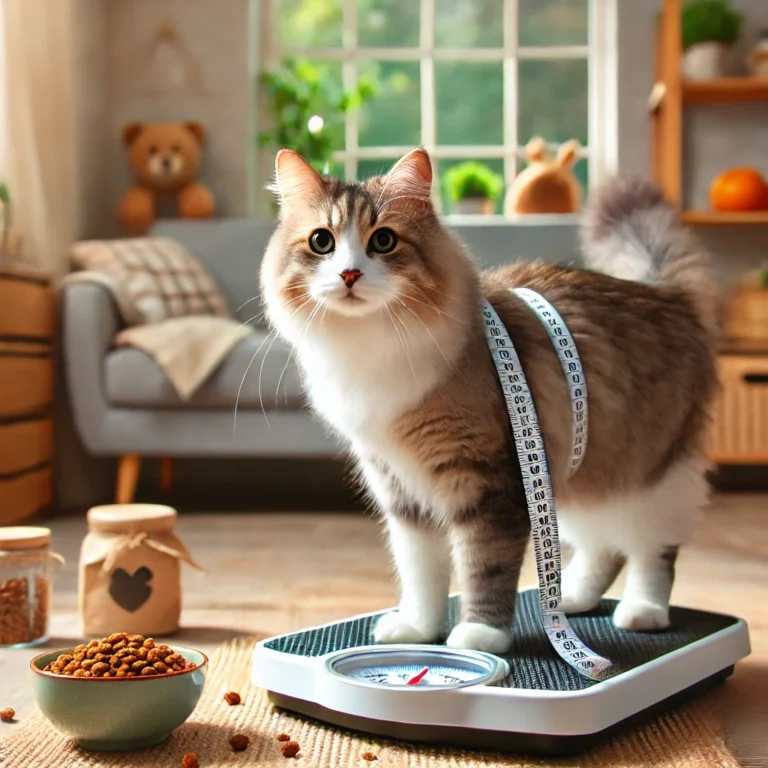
{"x": 473, "y": 179}
{"x": 706, "y": 21}
{"x": 298, "y": 91}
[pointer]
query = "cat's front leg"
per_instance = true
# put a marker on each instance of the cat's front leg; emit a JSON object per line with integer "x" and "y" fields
{"x": 422, "y": 559}
{"x": 488, "y": 545}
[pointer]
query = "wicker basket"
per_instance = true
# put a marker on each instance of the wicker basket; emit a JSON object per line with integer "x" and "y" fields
{"x": 746, "y": 313}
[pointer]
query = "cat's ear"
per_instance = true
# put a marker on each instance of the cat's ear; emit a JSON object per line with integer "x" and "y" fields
{"x": 411, "y": 176}
{"x": 296, "y": 181}
{"x": 568, "y": 153}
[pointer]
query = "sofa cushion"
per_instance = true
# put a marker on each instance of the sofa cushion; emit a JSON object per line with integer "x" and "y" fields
{"x": 134, "y": 379}
{"x": 151, "y": 278}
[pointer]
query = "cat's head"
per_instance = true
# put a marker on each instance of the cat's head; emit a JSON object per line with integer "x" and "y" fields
{"x": 356, "y": 249}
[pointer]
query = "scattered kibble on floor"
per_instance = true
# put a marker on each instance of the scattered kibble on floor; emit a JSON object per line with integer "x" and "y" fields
{"x": 239, "y": 742}
{"x": 190, "y": 761}
{"x": 283, "y": 737}
{"x": 232, "y": 698}
{"x": 369, "y": 757}
{"x": 7, "y": 714}
{"x": 290, "y": 749}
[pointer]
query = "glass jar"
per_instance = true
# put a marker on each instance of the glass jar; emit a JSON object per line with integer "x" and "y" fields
{"x": 25, "y": 585}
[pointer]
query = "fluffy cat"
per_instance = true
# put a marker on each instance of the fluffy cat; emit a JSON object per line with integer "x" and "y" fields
{"x": 383, "y": 305}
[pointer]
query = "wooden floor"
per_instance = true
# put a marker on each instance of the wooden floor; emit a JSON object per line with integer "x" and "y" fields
{"x": 272, "y": 573}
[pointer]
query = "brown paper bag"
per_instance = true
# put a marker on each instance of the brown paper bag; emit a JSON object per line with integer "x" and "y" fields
{"x": 130, "y": 571}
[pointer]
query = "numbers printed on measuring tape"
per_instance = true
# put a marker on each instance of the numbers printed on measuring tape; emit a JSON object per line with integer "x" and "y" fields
{"x": 531, "y": 454}
{"x": 568, "y": 355}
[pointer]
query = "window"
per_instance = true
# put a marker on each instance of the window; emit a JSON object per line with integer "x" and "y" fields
{"x": 467, "y": 79}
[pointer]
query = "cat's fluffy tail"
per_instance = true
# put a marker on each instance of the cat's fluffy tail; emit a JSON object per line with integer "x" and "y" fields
{"x": 631, "y": 232}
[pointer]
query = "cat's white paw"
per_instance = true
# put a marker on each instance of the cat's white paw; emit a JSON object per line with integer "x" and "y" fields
{"x": 479, "y": 637}
{"x": 578, "y": 601}
{"x": 395, "y": 628}
{"x": 639, "y": 615}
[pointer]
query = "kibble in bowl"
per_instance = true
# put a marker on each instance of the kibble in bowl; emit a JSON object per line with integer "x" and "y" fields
{"x": 120, "y": 693}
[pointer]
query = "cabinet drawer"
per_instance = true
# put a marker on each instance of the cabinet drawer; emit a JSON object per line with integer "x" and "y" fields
{"x": 23, "y": 495}
{"x": 25, "y": 444}
{"x": 26, "y": 379}
{"x": 740, "y": 433}
{"x": 27, "y": 308}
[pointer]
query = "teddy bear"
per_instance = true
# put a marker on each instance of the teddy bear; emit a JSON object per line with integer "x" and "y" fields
{"x": 165, "y": 160}
{"x": 548, "y": 184}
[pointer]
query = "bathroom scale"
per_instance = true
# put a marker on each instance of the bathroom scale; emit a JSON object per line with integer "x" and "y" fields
{"x": 529, "y": 700}
{"x": 566, "y": 683}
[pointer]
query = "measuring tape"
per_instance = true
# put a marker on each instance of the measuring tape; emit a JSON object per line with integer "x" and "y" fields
{"x": 529, "y": 443}
{"x": 570, "y": 362}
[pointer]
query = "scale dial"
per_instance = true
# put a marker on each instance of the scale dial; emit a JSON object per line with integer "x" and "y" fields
{"x": 416, "y": 667}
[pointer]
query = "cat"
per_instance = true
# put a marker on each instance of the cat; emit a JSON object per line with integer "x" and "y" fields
{"x": 383, "y": 306}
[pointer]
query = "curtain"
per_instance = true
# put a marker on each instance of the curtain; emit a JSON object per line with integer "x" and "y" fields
{"x": 40, "y": 135}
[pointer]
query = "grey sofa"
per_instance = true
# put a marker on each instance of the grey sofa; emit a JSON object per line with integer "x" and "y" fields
{"x": 124, "y": 406}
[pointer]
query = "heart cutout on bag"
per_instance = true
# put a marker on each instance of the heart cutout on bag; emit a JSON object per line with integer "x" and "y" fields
{"x": 130, "y": 592}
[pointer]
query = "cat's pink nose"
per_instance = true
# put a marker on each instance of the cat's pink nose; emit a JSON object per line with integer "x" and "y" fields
{"x": 350, "y": 276}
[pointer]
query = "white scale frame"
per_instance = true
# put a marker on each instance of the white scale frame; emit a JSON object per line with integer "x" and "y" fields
{"x": 490, "y": 708}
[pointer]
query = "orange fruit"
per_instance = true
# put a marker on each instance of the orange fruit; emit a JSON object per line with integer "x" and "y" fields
{"x": 740, "y": 189}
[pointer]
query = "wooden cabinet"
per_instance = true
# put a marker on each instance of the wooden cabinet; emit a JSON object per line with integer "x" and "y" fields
{"x": 740, "y": 432}
{"x": 27, "y": 325}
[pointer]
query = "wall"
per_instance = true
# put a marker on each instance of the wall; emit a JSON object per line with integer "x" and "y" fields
{"x": 205, "y": 78}
{"x": 92, "y": 112}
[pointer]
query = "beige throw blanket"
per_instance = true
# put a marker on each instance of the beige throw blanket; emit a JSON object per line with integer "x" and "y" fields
{"x": 188, "y": 349}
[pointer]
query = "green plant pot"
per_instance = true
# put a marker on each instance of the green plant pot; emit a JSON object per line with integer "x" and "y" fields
{"x": 118, "y": 714}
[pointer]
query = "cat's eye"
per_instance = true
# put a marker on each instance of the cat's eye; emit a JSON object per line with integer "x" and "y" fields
{"x": 382, "y": 241}
{"x": 321, "y": 241}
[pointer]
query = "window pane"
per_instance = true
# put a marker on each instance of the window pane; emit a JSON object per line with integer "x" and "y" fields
{"x": 393, "y": 116}
{"x": 553, "y": 22}
{"x": 552, "y": 100}
{"x": 315, "y": 23}
{"x": 469, "y": 102}
{"x": 469, "y": 23}
{"x": 581, "y": 171}
{"x": 386, "y": 23}
{"x": 449, "y": 205}
{"x": 336, "y": 168}
{"x": 303, "y": 90}
{"x": 368, "y": 168}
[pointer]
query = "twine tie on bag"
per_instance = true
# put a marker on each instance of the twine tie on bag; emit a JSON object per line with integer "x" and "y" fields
{"x": 126, "y": 541}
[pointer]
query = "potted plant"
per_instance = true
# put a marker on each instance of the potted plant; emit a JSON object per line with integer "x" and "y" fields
{"x": 710, "y": 28}
{"x": 308, "y": 112}
{"x": 473, "y": 187}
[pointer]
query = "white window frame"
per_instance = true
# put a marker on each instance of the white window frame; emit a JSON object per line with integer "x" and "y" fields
{"x": 600, "y": 52}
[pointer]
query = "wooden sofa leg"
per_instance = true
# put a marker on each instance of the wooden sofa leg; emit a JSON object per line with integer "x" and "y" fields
{"x": 166, "y": 474}
{"x": 127, "y": 477}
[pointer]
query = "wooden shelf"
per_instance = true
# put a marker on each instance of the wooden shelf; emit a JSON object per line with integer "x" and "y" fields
{"x": 715, "y": 218}
{"x": 730, "y": 90}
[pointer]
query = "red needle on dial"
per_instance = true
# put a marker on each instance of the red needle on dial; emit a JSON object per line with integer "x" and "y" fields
{"x": 418, "y": 677}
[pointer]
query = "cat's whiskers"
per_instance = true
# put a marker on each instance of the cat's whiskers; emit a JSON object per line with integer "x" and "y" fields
{"x": 248, "y": 368}
{"x": 431, "y": 336}
{"x": 434, "y": 308}
{"x": 404, "y": 345}
{"x": 246, "y": 303}
{"x": 261, "y": 371}
{"x": 302, "y": 333}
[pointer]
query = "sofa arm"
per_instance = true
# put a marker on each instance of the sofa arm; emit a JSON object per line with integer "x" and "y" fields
{"x": 90, "y": 322}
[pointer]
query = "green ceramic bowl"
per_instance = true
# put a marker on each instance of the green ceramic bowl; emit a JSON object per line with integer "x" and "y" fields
{"x": 118, "y": 714}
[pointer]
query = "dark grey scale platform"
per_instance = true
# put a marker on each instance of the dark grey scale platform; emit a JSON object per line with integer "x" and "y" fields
{"x": 539, "y": 705}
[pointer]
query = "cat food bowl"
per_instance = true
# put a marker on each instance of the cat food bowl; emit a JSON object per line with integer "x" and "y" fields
{"x": 119, "y": 714}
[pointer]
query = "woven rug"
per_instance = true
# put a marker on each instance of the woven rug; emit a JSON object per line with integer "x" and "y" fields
{"x": 685, "y": 738}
